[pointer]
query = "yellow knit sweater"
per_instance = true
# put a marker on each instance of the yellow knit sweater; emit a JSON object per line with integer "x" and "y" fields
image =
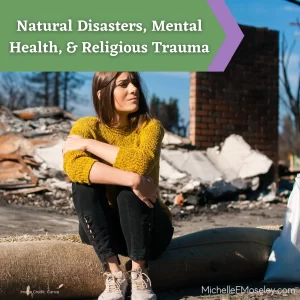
{"x": 139, "y": 152}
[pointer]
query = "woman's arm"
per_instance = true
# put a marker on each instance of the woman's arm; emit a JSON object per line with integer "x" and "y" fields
{"x": 130, "y": 158}
{"x": 77, "y": 163}
{"x": 102, "y": 150}
{"x": 101, "y": 173}
{"x": 142, "y": 186}
{"x": 82, "y": 168}
{"x": 142, "y": 158}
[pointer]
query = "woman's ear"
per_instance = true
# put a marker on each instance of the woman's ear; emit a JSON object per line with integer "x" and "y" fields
{"x": 99, "y": 94}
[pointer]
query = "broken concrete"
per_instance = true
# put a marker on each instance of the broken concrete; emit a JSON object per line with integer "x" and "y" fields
{"x": 194, "y": 163}
{"x": 224, "y": 171}
{"x": 235, "y": 159}
{"x": 30, "y": 149}
{"x": 189, "y": 177}
{"x": 171, "y": 140}
{"x": 51, "y": 156}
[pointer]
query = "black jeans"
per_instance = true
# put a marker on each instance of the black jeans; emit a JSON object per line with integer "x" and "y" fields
{"x": 134, "y": 230}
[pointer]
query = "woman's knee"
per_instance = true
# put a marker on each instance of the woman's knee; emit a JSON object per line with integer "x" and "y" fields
{"x": 87, "y": 190}
{"x": 129, "y": 204}
{"x": 126, "y": 195}
{"x": 91, "y": 205}
{"x": 84, "y": 195}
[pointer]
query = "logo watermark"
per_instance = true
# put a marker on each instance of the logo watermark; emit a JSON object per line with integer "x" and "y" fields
{"x": 247, "y": 290}
{"x": 33, "y": 293}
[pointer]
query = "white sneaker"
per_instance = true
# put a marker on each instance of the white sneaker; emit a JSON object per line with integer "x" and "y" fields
{"x": 115, "y": 287}
{"x": 141, "y": 286}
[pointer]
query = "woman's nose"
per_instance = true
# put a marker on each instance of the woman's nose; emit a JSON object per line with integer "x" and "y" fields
{"x": 133, "y": 88}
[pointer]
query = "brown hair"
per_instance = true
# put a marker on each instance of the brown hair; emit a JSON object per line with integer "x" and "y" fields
{"x": 106, "y": 82}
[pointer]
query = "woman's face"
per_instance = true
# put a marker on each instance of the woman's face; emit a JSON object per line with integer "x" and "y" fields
{"x": 126, "y": 95}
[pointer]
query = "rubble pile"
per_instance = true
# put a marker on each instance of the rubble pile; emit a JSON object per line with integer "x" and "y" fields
{"x": 31, "y": 160}
{"x": 230, "y": 177}
{"x": 37, "y": 121}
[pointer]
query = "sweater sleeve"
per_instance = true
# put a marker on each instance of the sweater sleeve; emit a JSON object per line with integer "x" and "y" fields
{"x": 76, "y": 163}
{"x": 141, "y": 157}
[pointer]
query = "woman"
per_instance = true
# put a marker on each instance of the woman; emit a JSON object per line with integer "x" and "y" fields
{"x": 113, "y": 163}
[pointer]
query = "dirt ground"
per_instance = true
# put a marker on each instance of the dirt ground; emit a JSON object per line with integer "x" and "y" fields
{"x": 19, "y": 220}
{"x": 23, "y": 219}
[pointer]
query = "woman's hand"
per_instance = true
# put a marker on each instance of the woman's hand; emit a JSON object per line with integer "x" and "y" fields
{"x": 75, "y": 142}
{"x": 145, "y": 189}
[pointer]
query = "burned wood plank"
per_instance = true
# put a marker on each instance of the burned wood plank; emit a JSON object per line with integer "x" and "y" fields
{"x": 26, "y": 169}
{"x": 26, "y": 191}
{"x": 15, "y": 185}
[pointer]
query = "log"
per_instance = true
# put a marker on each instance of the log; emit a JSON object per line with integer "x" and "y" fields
{"x": 65, "y": 269}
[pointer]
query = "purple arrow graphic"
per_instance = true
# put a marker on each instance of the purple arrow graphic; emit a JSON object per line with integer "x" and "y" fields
{"x": 233, "y": 33}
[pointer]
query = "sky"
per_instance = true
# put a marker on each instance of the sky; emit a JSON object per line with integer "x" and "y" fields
{"x": 272, "y": 14}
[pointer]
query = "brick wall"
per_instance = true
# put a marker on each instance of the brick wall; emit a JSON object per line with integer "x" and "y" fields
{"x": 242, "y": 100}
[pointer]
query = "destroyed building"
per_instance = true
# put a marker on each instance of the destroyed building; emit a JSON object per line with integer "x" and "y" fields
{"x": 243, "y": 99}
{"x": 230, "y": 157}
{"x": 31, "y": 165}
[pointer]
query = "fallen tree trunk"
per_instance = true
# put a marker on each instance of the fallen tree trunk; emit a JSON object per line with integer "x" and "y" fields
{"x": 64, "y": 269}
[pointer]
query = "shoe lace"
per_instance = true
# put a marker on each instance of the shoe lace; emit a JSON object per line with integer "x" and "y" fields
{"x": 112, "y": 284}
{"x": 140, "y": 283}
